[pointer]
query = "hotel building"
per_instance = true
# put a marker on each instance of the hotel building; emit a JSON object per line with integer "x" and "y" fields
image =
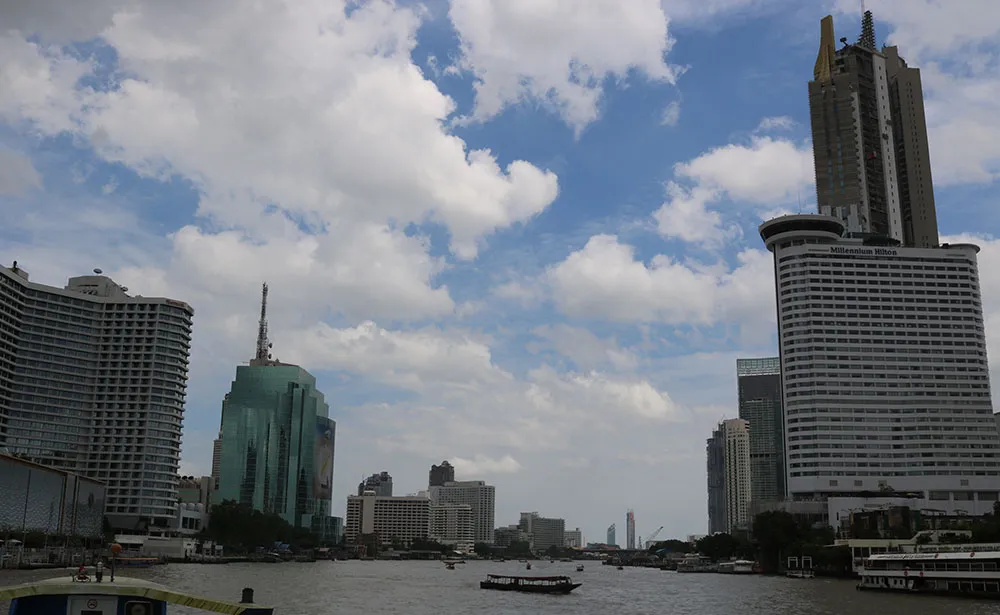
{"x": 478, "y": 495}
{"x": 885, "y": 380}
{"x": 93, "y": 381}
{"x": 403, "y": 518}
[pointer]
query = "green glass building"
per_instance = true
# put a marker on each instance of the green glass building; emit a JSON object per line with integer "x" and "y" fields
{"x": 277, "y": 444}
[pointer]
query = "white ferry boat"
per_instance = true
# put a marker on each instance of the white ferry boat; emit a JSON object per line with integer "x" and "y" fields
{"x": 967, "y": 573}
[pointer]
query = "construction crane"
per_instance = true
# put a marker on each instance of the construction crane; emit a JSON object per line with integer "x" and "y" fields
{"x": 652, "y": 538}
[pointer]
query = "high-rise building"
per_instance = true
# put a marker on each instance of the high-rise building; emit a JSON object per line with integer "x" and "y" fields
{"x": 439, "y": 475}
{"x": 453, "y": 525}
{"x": 93, "y": 381}
{"x": 630, "y": 529}
{"x": 380, "y": 483}
{"x": 277, "y": 440}
{"x": 216, "y": 460}
{"x": 759, "y": 388}
{"x": 573, "y": 539}
{"x": 715, "y": 453}
{"x": 478, "y": 495}
{"x": 393, "y": 520}
{"x": 729, "y": 483}
{"x": 612, "y": 541}
{"x": 885, "y": 378}
{"x": 543, "y": 532}
{"x": 869, "y": 139}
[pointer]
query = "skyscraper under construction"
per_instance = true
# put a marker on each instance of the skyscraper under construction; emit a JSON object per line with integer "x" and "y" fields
{"x": 869, "y": 138}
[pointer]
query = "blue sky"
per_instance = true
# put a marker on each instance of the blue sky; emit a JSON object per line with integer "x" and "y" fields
{"x": 516, "y": 234}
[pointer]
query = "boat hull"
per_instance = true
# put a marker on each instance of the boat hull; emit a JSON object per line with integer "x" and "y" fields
{"x": 530, "y": 589}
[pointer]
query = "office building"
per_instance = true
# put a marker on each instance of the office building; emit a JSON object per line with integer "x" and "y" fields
{"x": 869, "y": 139}
{"x": 543, "y": 532}
{"x": 392, "y": 520}
{"x": 573, "y": 539}
{"x": 216, "y": 460}
{"x": 439, "y": 475}
{"x": 452, "y": 524}
{"x": 729, "y": 485}
{"x": 611, "y": 536}
{"x": 277, "y": 440}
{"x": 508, "y": 535}
{"x": 478, "y": 495}
{"x": 380, "y": 483}
{"x": 759, "y": 394}
{"x": 885, "y": 378}
{"x": 92, "y": 381}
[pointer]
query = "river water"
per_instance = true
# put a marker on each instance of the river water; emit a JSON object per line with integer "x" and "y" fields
{"x": 427, "y": 588}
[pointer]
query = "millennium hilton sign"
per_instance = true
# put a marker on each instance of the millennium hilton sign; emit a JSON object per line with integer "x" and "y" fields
{"x": 864, "y": 251}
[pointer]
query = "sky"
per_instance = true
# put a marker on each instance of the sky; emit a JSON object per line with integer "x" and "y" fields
{"x": 519, "y": 235}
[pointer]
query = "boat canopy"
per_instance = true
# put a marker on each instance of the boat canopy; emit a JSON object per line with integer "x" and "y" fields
{"x": 505, "y": 576}
{"x": 132, "y": 588}
{"x": 929, "y": 556}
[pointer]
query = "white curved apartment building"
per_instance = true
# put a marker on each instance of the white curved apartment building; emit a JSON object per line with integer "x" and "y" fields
{"x": 93, "y": 381}
{"x": 885, "y": 382}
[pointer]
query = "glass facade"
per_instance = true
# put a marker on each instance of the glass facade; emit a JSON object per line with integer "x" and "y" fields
{"x": 277, "y": 444}
{"x": 759, "y": 382}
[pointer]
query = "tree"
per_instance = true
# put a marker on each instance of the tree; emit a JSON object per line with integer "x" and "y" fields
{"x": 672, "y": 545}
{"x": 723, "y": 546}
{"x": 775, "y": 532}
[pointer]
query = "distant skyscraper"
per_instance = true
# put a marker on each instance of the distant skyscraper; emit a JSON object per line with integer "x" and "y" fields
{"x": 869, "y": 139}
{"x": 277, "y": 440}
{"x": 729, "y": 490}
{"x": 380, "y": 483}
{"x": 93, "y": 381}
{"x": 885, "y": 379}
{"x": 478, "y": 495}
{"x": 611, "y": 536}
{"x": 715, "y": 453}
{"x": 759, "y": 384}
{"x": 630, "y": 529}
{"x": 441, "y": 474}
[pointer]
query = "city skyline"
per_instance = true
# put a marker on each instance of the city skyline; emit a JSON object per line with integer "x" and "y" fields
{"x": 558, "y": 317}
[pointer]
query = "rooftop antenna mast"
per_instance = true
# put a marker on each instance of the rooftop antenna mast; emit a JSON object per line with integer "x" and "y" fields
{"x": 263, "y": 345}
{"x": 867, "y": 38}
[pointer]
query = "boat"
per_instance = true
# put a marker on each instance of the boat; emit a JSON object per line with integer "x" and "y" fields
{"x": 620, "y": 567}
{"x": 76, "y": 596}
{"x": 449, "y": 565}
{"x": 959, "y": 573}
{"x": 696, "y": 563}
{"x": 531, "y": 585}
{"x": 739, "y": 566}
{"x": 527, "y": 566}
{"x": 579, "y": 568}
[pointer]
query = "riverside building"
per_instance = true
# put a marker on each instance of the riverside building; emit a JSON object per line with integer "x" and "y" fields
{"x": 729, "y": 478}
{"x": 277, "y": 441}
{"x": 390, "y": 519}
{"x": 480, "y": 497}
{"x": 93, "y": 382}
{"x": 759, "y": 394}
{"x": 885, "y": 378}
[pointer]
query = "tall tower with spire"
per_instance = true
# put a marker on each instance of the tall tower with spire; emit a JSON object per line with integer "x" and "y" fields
{"x": 870, "y": 139}
{"x": 263, "y": 354}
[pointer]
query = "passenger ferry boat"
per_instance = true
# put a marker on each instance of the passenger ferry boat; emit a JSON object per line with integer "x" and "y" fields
{"x": 969, "y": 573}
{"x": 531, "y": 585}
{"x": 80, "y": 594}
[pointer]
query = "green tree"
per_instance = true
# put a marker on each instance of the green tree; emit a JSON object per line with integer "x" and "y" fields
{"x": 723, "y": 546}
{"x": 672, "y": 545}
{"x": 776, "y": 533}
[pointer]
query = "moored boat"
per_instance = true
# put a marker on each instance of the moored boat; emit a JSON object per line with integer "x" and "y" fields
{"x": 579, "y": 568}
{"x": 531, "y": 585}
{"x": 75, "y": 596}
{"x": 695, "y": 563}
{"x": 739, "y": 566}
{"x": 962, "y": 573}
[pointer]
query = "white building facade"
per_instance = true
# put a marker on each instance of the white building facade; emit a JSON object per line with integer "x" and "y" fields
{"x": 573, "y": 539}
{"x": 452, "y": 524}
{"x": 736, "y": 440}
{"x": 404, "y": 518}
{"x": 93, "y": 381}
{"x": 480, "y": 497}
{"x": 885, "y": 380}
